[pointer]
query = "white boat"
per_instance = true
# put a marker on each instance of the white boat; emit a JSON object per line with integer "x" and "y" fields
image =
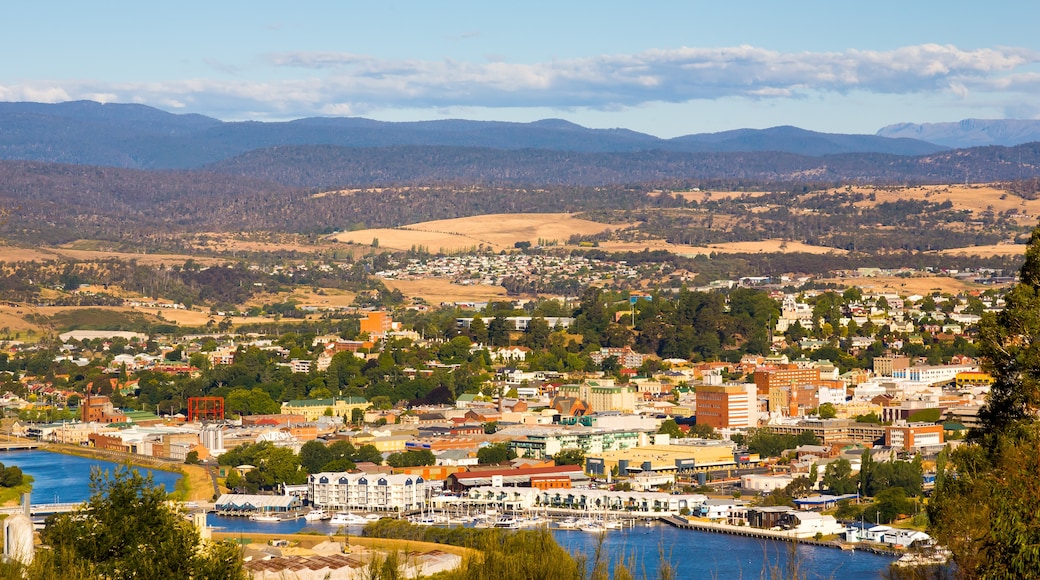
{"x": 316, "y": 515}
{"x": 373, "y": 517}
{"x": 423, "y": 520}
{"x": 507, "y": 522}
{"x": 347, "y": 519}
{"x": 567, "y": 524}
{"x": 264, "y": 518}
{"x": 594, "y": 527}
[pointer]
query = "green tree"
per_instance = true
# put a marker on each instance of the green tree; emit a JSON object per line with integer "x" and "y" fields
{"x": 411, "y": 458}
{"x": 128, "y": 530}
{"x": 827, "y": 411}
{"x": 314, "y": 455}
{"x": 985, "y": 509}
{"x": 671, "y": 428}
{"x": 570, "y": 457}
{"x": 838, "y": 478}
{"x": 495, "y": 454}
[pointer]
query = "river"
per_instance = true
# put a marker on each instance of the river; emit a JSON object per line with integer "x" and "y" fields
{"x": 694, "y": 554}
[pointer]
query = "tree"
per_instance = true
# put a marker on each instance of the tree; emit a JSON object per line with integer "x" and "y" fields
{"x": 570, "y": 457}
{"x": 411, "y": 458}
{"x": 838, "y": 478}
{"x": 495, "y": 454}
{"x": 827, "y": 411}
{"x": 671, "y": 428}
{"x": 314, "y": 455}
{"x": 128, "y": 530}
{"x": 985, "y": 508}
{"x": 192, "y": 458}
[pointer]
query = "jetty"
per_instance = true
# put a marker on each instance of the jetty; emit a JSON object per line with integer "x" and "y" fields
{"x": 782, "y": 535}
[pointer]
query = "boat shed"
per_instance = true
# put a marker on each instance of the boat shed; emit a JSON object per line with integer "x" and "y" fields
{"x": 240, "y": 503}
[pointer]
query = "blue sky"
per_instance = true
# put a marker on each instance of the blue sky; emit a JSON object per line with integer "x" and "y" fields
{"x": 667, "y": 68}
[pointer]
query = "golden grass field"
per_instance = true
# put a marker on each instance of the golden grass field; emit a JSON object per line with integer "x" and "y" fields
{"x": 766, "y": 246}
{"x": 437, "y": 290}
{"x": 497, "y": 231}
{"x": 976, "y": 197}
{"x": 986, "y": 251}
{"x": 906, "y": 286}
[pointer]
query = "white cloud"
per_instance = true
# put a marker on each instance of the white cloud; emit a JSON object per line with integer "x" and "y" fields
{"x": 347, "y": 83}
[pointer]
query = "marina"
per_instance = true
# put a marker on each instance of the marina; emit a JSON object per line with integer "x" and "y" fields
{"x": 692, "y": 551}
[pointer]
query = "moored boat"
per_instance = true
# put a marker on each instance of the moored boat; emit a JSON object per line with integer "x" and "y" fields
{"x": 264, "y": 518}
{"x": 347, "y": 519}
{"x": 316, "y": 515}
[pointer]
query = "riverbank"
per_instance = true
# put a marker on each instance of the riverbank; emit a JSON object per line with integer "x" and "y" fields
{"x": 311, "y": 540}
{"x": 195, "y": 483}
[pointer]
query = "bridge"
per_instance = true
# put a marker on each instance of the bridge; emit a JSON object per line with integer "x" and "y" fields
{"x": 14, "y": 445}
{"x": 44, "y": 509}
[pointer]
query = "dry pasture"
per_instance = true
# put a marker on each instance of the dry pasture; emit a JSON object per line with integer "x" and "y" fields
{"x": 495, "y": 231}
{"x": 906, "y": 286}
{"x": 437, "y": 290}
{"x": 977, "y": 197}
{"x": 764, "y": 246}
{"x": 987, "y": 251}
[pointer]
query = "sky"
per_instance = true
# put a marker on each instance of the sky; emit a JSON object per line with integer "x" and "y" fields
{"x": 666, "y": 68}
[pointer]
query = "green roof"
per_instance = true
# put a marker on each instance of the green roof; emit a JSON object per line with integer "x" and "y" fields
{"x": 138, "y": 416}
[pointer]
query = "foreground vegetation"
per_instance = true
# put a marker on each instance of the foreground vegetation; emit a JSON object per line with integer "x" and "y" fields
{"x": 126, "y": 530}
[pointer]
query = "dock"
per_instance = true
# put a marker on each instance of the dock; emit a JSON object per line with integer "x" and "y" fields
{"x": 782, "y": 535}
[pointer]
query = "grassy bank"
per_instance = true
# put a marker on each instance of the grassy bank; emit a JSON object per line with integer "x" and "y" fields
{"x": 12, "y": 496}
{"x": 311, "y": 540}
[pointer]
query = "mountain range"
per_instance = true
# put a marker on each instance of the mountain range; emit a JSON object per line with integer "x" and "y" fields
{"x": 969, "y": 132}
{"x": 142, "y": 137}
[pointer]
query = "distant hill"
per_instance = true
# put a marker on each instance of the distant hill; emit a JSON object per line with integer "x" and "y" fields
{"x": 141, "y": 137}
{"x": 326, "y": 166}
{"x": 969, "y": 132}
{"x": 795, "y": 140}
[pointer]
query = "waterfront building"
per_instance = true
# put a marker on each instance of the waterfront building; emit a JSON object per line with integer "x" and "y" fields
{"x": 342, "y": 491}
{"x": 242, "y": 503}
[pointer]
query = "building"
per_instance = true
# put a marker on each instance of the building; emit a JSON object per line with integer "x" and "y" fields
{"x": 885, "y": 366}
{"x": 313, "y": 409}
{"x": 914, "y": 436}
{"x": 785, "y": 376}
{"x": 679, "y": 459}
{"x": 727, "y": 406}
{"x": 601, "y": 395}
{"x": 626, "y": 357}
{"x": 99, "y": 409}
{"x": 831, "y": 431}
{"x": 543, "y": 445}
{"x": 341, "y": 491}
{"x": 553, "y": 477}
{"x": 933, "y": 374}
{"x": 377, "y": 324}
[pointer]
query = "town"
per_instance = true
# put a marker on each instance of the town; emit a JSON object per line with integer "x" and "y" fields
{"x": 816, "y": 414}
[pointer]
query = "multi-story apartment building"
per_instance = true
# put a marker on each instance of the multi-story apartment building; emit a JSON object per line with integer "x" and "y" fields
{"x": 342, "y": 491}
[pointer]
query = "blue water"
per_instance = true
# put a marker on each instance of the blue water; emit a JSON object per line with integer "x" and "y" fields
{"x": 61, "y": 478}
{"x": 694, "y": 554}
